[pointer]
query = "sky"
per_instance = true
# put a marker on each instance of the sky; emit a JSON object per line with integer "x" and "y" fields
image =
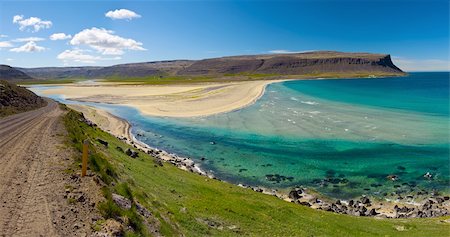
{"x": 74, "y": 33}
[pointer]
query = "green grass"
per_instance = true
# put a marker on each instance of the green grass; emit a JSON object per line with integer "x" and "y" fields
{"x": 163, "y": 80}
{"x": 50, "y": 81}
{"x": 172, "y": 79}
{"x": 193, "y": 205}
{"x": 168, "y": 80}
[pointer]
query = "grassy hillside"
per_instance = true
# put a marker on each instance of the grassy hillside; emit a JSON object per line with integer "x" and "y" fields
{"x": 15, "y": 99}
{"x": 188, "y": 204}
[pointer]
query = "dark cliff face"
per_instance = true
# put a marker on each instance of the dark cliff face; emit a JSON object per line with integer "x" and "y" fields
{"x": 10, "y": 73}
{"x": 295, "y": 64}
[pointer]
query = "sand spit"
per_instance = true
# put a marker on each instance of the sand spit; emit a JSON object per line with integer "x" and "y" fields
{"x": 169, "y": 100}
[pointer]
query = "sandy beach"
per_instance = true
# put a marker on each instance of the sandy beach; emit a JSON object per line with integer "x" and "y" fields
{"x": 104, "y": 120}
{"x": 169, "y": 100}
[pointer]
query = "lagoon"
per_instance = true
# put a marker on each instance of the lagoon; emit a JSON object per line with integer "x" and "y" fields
{"x": 339, "y": 137}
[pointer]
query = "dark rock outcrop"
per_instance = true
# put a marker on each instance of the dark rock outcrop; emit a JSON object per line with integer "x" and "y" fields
{"x": 103, "y": 142}
{"x": 131, "y": 153}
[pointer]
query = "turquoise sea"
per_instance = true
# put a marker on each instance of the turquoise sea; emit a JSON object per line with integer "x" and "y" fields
{"x": 340, "y": 137}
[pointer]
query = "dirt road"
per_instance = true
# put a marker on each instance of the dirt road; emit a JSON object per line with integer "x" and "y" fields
{"x": 33, "y": 184}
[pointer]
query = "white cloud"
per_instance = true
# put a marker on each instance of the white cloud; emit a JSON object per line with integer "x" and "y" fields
{"x": 33, "y": 22}
{"x": 120, "y": 14}
{"x": 5, "y": 44}
{"x": 105, "y": 42}
{"x": 77, "y": 55}
{"x": 410, "y": 65}
{"x": 60, "y": 36}
{"x": 28, "y": 48}
{"x": 81, "y": 56}
{"x": 9, "y": 59}
{"x": 28, "y": 39}
{"x": 3, "y": 36}
{"x": 284, "y": 51}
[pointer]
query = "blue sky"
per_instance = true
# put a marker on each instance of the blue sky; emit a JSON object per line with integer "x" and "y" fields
{"x": 415, "y": 33}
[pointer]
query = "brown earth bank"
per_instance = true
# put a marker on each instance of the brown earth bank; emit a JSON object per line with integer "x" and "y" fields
{"x": 38, "y": 196}
{"x": 15, "y": 99}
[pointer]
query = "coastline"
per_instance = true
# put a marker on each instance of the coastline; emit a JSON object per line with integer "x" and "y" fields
{"x": 412, "y": 207}
{"x": 104, "y": 120}
{"x": 170, "y": 100}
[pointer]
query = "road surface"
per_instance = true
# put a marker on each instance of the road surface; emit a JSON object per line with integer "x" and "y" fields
{"x": 32, "y": 183}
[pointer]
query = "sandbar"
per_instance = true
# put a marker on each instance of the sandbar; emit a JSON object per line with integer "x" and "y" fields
{"x": 169, "y": 100}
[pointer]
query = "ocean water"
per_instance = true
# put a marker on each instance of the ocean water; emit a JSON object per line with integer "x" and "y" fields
{"x": 339, "y": 137}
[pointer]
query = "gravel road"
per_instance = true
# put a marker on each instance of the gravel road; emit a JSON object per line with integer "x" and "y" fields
{"x": 33, "y": 158}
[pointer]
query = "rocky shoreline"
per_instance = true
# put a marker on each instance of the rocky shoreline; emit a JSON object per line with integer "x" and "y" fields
{"x": 433, "y": 205}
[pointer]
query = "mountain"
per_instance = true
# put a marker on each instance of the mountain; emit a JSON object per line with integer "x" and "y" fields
{"x": 122, "y": 70}
{"x": 296, "y": 64}
{"x": 16, "y": 99}
{"x": 10, "y": 73}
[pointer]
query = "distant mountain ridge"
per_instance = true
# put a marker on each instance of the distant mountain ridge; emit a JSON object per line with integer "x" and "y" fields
{"x": 295, "y": 64}
{"x": 271, "y": 64}
{"x": 10, "y": 73}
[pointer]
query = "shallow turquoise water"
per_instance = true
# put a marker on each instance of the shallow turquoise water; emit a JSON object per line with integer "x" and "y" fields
{"x": 340, "y": 137}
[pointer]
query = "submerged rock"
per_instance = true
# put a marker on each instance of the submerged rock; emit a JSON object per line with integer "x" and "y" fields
{"x": 392, "y": 177}
{"x": 428, "y": 175}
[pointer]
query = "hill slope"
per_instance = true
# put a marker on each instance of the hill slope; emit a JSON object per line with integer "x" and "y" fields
{"x": 298, "y": 64}
{"x": 15, "y": 99}
{"x": 10, "y": 73}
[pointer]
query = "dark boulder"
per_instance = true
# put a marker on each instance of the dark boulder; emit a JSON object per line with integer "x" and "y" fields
{"x": 372, "y": 212}
{"x": 365, "y": 200}
{"x": 363, "y": 209}
{"x": 351, "y": 202}
{"x": 104, "y": 143}
{"x": 131, "y": 153}
{"x": 295, "y": 194}
{"x": 305, "y": 204}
